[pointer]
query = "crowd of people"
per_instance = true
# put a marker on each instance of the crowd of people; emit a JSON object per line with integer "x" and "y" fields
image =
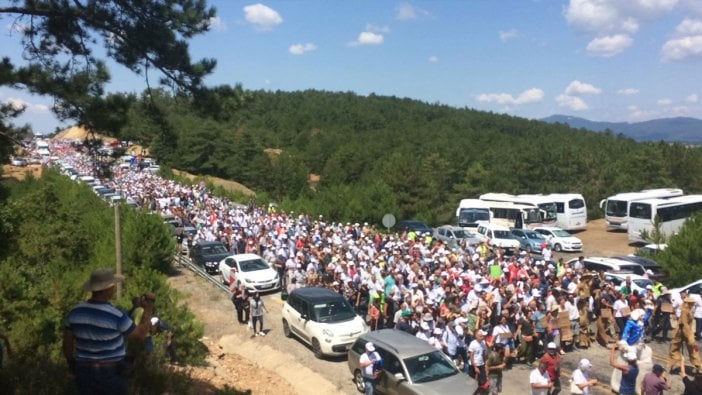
{"x": 484, "y": 308}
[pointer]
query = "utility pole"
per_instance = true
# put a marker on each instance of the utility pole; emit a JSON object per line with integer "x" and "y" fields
{"x": 118, "y": 248}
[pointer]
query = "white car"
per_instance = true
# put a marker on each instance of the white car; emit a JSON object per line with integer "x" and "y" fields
{"x": 560, "y": 239}
{"x": 638, "y": 283}
{"x": 691, "y": 289}
{"x": 497, "y": 236}
{"x": 249, "y": 270}
{"x": 323, "y": 319}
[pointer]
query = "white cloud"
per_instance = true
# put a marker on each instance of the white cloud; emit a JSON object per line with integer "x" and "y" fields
{"x": 262, "y": 17}
{"x": 217, "y": 24}
{"x": 367, "y": 38}
{"x": 689, "y": 27}
{"x": 613, "y": 22}
{"x": 19, "y": 104}
{"x": 16, "y": 104}
{"x": 627, "y": 91}
{"x": 573, "y": 102}
{"x": 680, "y": 110}
{"x": 532, "y": 95}
{"x": 299, "y": 49}
{"x": 664, "y": 102}
{"x": 507, "y": 35}
{"x": 267, "y": 82}
{"x": 377, "y": 29}
{"x": 609, "y": 45}
{"x": 687, "y": 43}
{"x": 638, "y": 114}
{"x": 693, "y": 98}
{"x": 570, "y": 98}
{"x": 577, "y": 88}
{"x": 406, "y": 12}
{"x": 433, "y": 59}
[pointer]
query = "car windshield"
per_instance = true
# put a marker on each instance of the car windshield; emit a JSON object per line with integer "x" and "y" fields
{"x": 501, "y": 234}
{"x": 533, "y": 235}
{"x": 461, "y": 234}
{"x": 561, "y": 233}
{"x": 429, "y": 367}
{"x": 336, "y": 310}
{"x": 616, "y": 208}
{"x": 213, "y": 249}
{"x": 642, "y": 282}
{"x": 253, "y": 265}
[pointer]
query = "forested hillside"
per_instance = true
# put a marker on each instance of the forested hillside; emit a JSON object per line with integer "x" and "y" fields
{"x": 384, "y": 154}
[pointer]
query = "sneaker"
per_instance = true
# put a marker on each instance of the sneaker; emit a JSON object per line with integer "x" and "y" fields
{"x": 263, "y": 333}
{"x": 562, "y": 352}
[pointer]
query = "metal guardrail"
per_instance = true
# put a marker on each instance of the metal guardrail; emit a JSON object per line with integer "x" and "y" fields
{"x": 186, "y": 262}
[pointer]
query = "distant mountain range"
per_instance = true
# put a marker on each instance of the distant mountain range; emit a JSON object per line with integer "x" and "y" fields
{"x": 680, "y": 129}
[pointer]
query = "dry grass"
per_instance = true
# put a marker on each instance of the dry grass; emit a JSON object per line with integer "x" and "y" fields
{"x": 13, "y": 173}
{"x": 80, "y": 133}
{"x": 226, "y": 184}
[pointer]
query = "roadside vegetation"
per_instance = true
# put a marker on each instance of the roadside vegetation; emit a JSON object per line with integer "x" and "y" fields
{"x": 53, "y": 233}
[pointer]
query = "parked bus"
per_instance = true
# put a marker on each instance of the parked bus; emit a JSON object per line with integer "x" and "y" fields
{"x": 541, "y": 202}
{"x": 515, "y": 215}
{"x": 471, "y": 212}
{"x": 672, "y": 213}
{"x": 617, "y": 207}
{"x": 571, "y": 210}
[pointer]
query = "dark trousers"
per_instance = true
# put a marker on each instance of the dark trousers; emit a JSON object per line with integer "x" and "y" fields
{"x": 107, "y": 380}
{"x": 621, "y": 323}
{"x": 661, "y": 323}
{"x": 698, "y": 328}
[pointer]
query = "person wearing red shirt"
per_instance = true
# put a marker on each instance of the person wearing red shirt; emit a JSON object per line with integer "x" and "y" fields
{"x": 553, "y": 367}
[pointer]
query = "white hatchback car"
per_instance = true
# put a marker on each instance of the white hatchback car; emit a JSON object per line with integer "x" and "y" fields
{"x": 249, "y": 270}
{"x": 323, "y": 319}
{"x": 560, "y": 239}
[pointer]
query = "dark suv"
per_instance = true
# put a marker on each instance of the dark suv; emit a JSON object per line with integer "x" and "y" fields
{"x": 410, "y": 366}
{"x": 418, "y": 227}
{"x": 208, "y": 254}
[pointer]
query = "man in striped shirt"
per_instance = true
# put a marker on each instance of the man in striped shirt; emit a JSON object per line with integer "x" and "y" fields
{"x": 94, "y": 341}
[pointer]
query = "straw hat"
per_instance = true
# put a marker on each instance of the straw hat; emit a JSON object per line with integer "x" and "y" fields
{"x": 102, "y": 279}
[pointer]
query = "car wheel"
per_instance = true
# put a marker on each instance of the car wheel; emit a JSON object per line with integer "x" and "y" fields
{"x": 317, "y": 348}
{"x": 286, "y": 329}
{"x": 557, "y": 248}
{"x": 358, "y": 380}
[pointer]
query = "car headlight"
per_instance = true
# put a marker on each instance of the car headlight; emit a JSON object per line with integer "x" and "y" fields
{"x": 327, "y": 333}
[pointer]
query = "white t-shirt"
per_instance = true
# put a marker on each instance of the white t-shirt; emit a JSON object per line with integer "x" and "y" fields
{"x": 580, "y": 378}
{"x": 368, "y": 370}
{"x": 536, "y": 377}
{"x": 618, "y": 306}
{"x": 478, "y": 349}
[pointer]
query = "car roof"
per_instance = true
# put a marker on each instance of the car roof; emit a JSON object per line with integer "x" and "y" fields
{"x": 246, "y": 257}
{"x": 645, "y": 262}
{"x": 402, "y": 343}
{"x": 625, "y": 275}
{"x": 207, "y": 243}
{"x": 314, "y": 294}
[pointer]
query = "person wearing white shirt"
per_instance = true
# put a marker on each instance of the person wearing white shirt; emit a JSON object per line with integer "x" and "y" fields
{"x": 476, "y": 351}
{"x": 539, "y": 381}
{"x": 698, "y": 314}
{"x": 581, "y": 380}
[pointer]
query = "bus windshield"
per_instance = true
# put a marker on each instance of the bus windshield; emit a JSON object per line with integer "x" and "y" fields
{"x": 473, "y": 215}
{"x": 532, "y": 216}
{"x": 616, "y": 208}
{"x": 550, "y": 209}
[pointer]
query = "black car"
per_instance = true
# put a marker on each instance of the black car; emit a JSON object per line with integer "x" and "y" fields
{"x": 208, "y": 254}
{"x": 649, "y": 264}
{"x": 418, "y": 227}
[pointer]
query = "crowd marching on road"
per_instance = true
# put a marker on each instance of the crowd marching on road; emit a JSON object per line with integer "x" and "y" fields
{"x": 486, "y": 310}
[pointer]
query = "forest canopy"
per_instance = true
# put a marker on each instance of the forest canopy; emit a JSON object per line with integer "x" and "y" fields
{"x": 376, "y": 154}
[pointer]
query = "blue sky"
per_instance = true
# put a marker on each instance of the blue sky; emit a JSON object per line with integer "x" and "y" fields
{"x": 605, "y": 60}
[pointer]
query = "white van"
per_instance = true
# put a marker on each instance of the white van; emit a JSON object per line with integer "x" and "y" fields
{"x": 497, "y": 236}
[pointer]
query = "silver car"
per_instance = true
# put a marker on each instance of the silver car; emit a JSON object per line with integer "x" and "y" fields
{"x": 410, "y": 366}
{"x": 448, "y": 233}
